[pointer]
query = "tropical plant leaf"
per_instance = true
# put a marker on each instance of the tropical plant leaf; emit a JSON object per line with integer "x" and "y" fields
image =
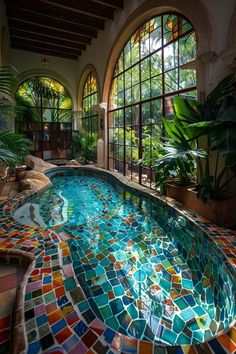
{"x": 224, "y": 140}
{"x": 224, "y": 87}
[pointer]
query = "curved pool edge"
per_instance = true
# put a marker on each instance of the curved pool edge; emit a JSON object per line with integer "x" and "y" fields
{"x": 44, "y": 244}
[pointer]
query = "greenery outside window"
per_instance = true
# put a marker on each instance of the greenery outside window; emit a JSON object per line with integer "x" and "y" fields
{"x": 90, "y": 116}
{"x": 151, "y": 69}
{"x": 48, "y": 120}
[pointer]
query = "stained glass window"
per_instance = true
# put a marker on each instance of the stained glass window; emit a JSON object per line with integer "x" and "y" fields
{"x": 150, "y": 70}
{"x": 90, "y": 115}
{"x": 48, "y": 120}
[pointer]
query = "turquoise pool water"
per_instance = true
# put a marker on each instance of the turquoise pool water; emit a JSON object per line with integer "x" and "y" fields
{"x": 144, "y": 270}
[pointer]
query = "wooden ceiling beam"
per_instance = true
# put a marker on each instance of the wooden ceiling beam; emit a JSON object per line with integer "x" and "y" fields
{"x": 83, "y": 7}
{"x": 45, "y": 40}
{"x": 42, "y": 46}
{"x": 45, "y": 52}
{"x": 30, "y": 28}
{"x": 28, "y": 8}
{"x": 57, "y": 24}
{"x": 115, "y": 4}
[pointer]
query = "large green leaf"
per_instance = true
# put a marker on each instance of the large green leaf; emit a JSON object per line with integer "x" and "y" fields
{"x": 227, "y": 111}
{"x": 224, "y": 140}
{"x": 187, "y": 110}
{"x": 8, "y": 81}
{"x": 224, "y": 87}
{"x": 8, "y": 157}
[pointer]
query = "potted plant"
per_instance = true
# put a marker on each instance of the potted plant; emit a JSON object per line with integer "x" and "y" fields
{"x": 13, "y": 146}
{"x": 173, "y": 156}
{"x": 213, "y": 121}
{"x": 84, "y": 146}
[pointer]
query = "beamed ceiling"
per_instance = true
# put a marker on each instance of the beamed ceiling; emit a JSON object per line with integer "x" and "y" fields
{"x": 62, "y": 28}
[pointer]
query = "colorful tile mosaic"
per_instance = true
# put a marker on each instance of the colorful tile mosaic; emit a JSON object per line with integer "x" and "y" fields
{"x": 120, "y": 273}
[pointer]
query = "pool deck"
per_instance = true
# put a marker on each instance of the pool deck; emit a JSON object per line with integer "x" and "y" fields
{"x": 47, "y": 317}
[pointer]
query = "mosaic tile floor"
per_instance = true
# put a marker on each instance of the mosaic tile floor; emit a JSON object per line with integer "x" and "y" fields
{"x": 68, "y": 304}
{"x": 10, "y": 277}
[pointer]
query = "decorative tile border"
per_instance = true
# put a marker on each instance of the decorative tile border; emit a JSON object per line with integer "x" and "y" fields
{"x": 47, "y": 316}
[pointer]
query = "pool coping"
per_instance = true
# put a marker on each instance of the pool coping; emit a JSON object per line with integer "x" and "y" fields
{"x": 225, "y": 340}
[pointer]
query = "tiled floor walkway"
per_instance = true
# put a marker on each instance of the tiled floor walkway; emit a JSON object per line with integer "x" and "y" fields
{"x": 10, "y": 278}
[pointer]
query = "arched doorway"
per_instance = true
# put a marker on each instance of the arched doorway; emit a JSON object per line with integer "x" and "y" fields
{"x": 45, "y": 117}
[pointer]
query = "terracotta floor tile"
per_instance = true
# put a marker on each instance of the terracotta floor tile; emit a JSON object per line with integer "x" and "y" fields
{"x": 7, "y": 300}
{"x": 8, "y": 282}
{"x": 6, "y": 270}
{"x": 5, "y": 322}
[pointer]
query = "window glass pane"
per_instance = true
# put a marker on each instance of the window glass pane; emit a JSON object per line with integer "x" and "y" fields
{"x": 128, "y": 80}
{"x": 120, "y": 83}
{"x": 145, "y": 69}
{"x": 155, "y": 40}
{"x": 156, "y": 111}
{"x": 128, "y": 116}
{"x": 146, "y": 113}
{"x": 156, "y": 86}
{"x": 135, "y": 74}
{"x": 135, "y": 94}
{"x": 146, "y": 89}
{"x": 156, "y": 63}
{"x": 170, "y": 28}
{"x": 187, "y": 78}
{"x": 171, "y": 56}
{"x": 187, "y": 48}
{"x": 171, "y": 81}
{"x": 169, "y": 107}
{"x": 134, "y": 50}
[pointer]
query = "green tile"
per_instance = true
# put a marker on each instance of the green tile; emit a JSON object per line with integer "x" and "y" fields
{"x": 118, "y": 290}
{"x": 106, "y": 312}
{"x": 70, "y": 284}
{"x": 50, "y": 297}
{"x": 169, "y": 336}
{"x": 132, "y": 311}
{"x": 178, "y": 324}
{"x": 181, "y": 303}
{"x": 101, "y": 300}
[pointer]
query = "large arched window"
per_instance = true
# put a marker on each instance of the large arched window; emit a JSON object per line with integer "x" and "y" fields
{"x": 47, "y": 117}
{"x": 153, "y": 66}
{"x": 90, "y": 115}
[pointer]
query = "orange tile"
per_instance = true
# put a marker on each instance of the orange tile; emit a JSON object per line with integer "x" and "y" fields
{"x": 226, "y": 342}
{"x": 65, "y": 252}
{"x": 60, "y": 291}
{"x": 47, "y": 288}
{"x": 145, "y": 348}
{"x": 63, "y": 335}
{"x": 55, "y": 316}
{"x": 232, "y": 334}
{"x": 57, "y": 282}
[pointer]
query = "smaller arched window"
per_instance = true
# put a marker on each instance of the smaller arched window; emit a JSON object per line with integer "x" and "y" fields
{"x": 90, "y": 116}
{"x": 47, "y": 117}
